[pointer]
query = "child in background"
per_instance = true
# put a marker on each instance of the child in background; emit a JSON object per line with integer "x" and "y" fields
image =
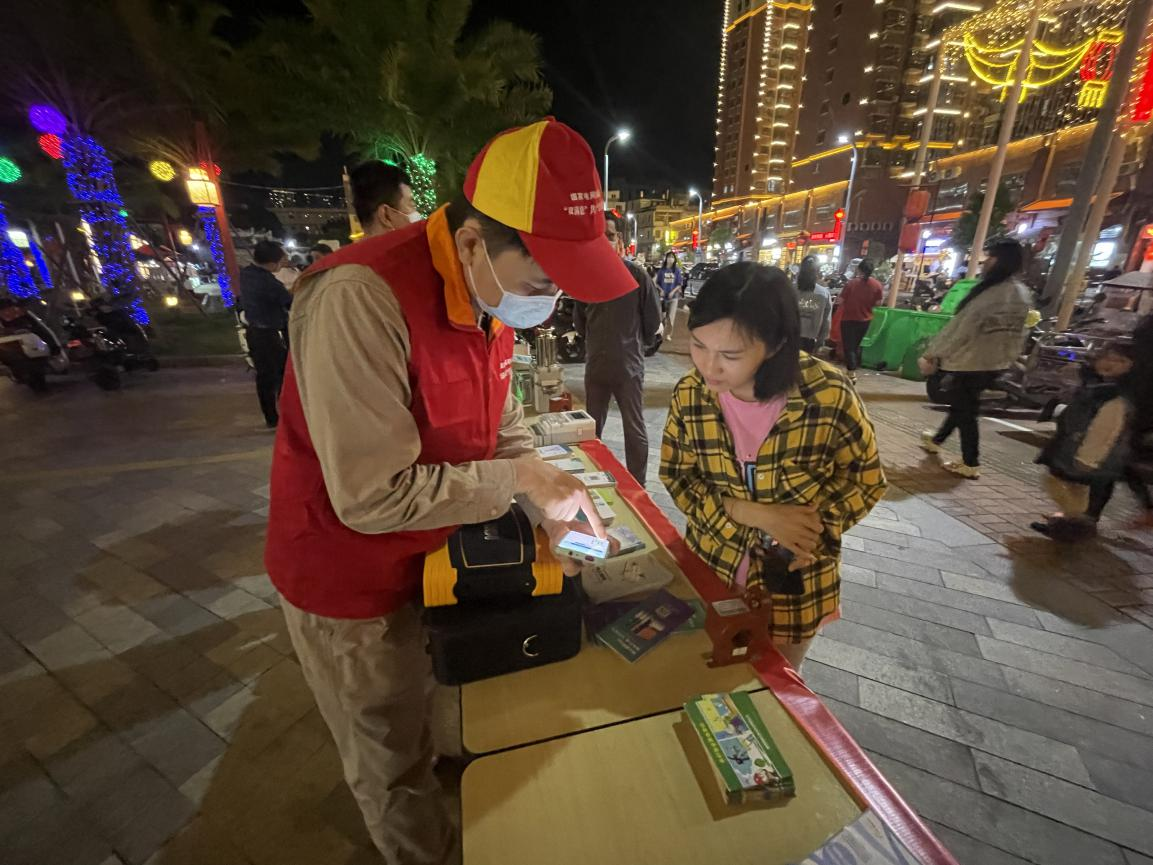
{"x": 1089, "y": 452}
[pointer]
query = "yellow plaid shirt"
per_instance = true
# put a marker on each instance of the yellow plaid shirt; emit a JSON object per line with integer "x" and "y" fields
{"x": 822, "y": 451}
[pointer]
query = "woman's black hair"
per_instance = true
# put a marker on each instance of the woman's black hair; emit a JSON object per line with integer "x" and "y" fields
{"x": 666, "y": 259}
{"x": 1010, "y": 258}
{"x": 807, "y": 274}
{"x": 761, "y": 302}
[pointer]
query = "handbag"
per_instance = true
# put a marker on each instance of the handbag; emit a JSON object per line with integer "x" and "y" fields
{"x": 497, "y": 601}
{"x": 501, "y": 558}
{"x": 479, "y": 640}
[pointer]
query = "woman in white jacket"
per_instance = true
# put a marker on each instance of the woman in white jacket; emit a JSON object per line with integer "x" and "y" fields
{"x": 982, "y": 340}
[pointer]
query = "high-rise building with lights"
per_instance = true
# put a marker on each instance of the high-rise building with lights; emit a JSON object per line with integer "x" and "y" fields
{"x": 914, "y": 90}
{"x": 758, "y": 95}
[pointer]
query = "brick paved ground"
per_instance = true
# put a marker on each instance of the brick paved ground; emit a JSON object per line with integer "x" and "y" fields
{"x": 152, "y": 711}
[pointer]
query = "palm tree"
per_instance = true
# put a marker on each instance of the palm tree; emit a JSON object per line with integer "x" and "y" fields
{"x": 405, "y": 82}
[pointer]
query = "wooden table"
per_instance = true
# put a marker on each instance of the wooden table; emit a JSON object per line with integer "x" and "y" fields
{"x": 597, "y": 687}
{"x": 643, "y": 792}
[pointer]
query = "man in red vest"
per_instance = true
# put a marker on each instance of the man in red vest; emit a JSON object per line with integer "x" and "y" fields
{"x": 397, "y": 425}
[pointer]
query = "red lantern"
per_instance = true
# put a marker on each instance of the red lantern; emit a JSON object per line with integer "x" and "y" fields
{"x": 51, "y": 145}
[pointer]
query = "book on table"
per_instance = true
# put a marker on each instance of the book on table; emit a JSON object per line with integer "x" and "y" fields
{"x": 745, "y": 760}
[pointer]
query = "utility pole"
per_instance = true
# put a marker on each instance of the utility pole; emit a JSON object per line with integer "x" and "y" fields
{"x": 920, "y": 165}
{"x": 1092, "y": 229}
{"x": 922, "y": 160}
{"x": 1008, "y": 121}
{"x": 1061, "y": 282}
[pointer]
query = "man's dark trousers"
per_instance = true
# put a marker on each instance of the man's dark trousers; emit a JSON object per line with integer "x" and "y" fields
{"x": 629, "y": 392}
{"x": 268, "y": 352}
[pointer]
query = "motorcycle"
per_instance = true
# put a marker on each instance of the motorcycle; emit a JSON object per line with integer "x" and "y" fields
{"x": 115, "y": 343}
{"x": 29, "y": 350}
{"x": 570, "y": 345}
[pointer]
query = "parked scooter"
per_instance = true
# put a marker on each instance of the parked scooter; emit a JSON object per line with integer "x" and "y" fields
{"x": 29, "y": 350}
{"x": 109, "y": 341}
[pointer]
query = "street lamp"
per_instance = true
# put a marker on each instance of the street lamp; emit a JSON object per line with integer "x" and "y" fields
{"x": 852, "y": 142}
{"x": 622, "y": 135}
{"x": 700, "y": 220}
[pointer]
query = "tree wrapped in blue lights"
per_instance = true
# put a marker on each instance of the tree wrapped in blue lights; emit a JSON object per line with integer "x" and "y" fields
{"x": 216, "y": 245}
{"x": 93, "y": 185}
{"x": 14, "y": 273}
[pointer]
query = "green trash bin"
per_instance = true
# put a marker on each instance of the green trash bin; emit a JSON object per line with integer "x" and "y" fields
{"x": 901, "y": 328}
{"x": 894, "y": 333}
{"x": 957, "y": 293}
{"x": 873, "y": 345}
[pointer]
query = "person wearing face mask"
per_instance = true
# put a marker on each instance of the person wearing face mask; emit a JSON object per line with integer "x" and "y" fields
{"x": 398, "y": 425}
{"x": 616, "y": 333}
{"x": 382, "y": 198}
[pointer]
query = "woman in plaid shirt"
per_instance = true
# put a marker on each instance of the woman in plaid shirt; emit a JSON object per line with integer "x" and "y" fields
{"x": 768, "y": 452}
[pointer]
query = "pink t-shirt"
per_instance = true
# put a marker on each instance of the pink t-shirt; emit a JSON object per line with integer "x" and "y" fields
{"x": 749, "y": 424}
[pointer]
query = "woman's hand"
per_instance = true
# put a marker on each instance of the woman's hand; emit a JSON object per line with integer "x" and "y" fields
{"x": 927, "y": 365}
{"x": 797, "y": 528}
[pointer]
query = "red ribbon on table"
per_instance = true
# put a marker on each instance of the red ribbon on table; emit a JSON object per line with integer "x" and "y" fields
{"x": 836, "y": 746}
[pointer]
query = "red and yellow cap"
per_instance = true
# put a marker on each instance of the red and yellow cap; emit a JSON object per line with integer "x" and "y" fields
{"x": 542, "y": 180}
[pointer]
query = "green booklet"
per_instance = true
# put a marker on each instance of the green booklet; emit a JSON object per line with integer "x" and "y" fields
{"x": 744, "y": 757}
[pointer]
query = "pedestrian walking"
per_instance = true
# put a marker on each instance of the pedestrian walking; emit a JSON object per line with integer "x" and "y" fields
{"x": 815, "y": 304}
{"x": 981, "y": 341}
{"x": 382, "y": 198}
{"x": 1089, "y": 451}
{"x": 398, "y": 424}
{"x": 264, "y": 302}
{"x": 670, "y": 280}
{"x": 616, "y": 333}
{"x": 768, "y": 452}
{"x": 859, "y": 297}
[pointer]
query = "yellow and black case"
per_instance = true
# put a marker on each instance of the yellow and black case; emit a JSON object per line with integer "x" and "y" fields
{"x": 502, "y": 558}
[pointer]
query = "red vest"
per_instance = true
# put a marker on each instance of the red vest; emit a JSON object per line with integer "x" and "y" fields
{"x": 459, "y": 381}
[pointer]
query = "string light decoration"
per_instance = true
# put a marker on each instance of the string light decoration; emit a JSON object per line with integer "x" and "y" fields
{"x": 1142, "y": 89}
{"x": 48, "y": 119}
{"x": 162, "y": 170}
{"x": 89, "y": 174}
{"x": 13, "y": 271}
{"x": 51, "y": 145}
{"x": 996, "y": 64}
{"x": 216, "y": 246}
{"x": 1097, "y": 69}
{"x": 9, "y": 170}
{"x": 42, "y": 266}
{"x": 1073, "y": 55}
{"x": 422, "y": 173}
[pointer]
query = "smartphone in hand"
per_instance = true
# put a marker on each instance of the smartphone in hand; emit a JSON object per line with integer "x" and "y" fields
{"x": 586, "y": 548}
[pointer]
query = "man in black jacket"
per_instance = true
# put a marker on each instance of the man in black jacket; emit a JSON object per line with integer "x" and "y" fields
{"x": 616, "y": 334}
{"x": 265, "y": 301}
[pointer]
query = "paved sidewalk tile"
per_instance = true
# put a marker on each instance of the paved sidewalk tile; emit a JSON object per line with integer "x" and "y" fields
{"x": 153, "y": 712}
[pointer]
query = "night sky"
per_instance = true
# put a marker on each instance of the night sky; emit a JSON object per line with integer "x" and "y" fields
{"x": 650, "y": 65}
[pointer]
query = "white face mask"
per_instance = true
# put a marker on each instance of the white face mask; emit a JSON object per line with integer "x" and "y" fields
{"x": 414, "y": 216}
{"x": 515, "y": 310}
